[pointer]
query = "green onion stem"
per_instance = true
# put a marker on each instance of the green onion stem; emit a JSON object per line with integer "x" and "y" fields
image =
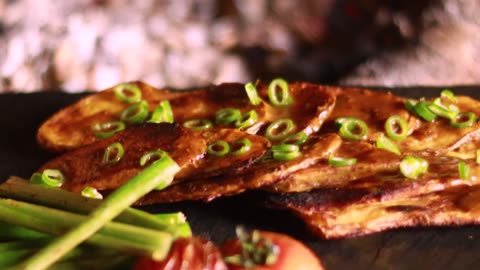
{"x": 341, "y": 162}
{"x": 118, "y": 236}
{"x": 198, "y": 124}
{"x": 353, "y": 128}
{"x": 245, "y": 146}
{"x": 113, "y": 153}
{"x": 218, "y": 148}
{"x": 19, "y": 189}
{"x": 396, "y": 127}
{"x": 279, "y": 129}
{"x": 227, "y": 115}
{"x": 464, "y": 170}
{"x": 463, "y": 120}
{"x": 279, "y": 99}
{"x": 160, "y": 172}
{"x": 108, "y": 129}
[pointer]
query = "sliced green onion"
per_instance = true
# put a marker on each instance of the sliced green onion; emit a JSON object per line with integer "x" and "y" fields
{"x": 252, "y": 94}
{"x": 396, "y": 127}
{"x": 49, "y": 177}
{"x": 279, "y": 99}
{"x": 385, "y": 143}
{"x": 341, "y": 162}
{"x": 422, "y": 110}
{"x": 297, "y": 138}
{"x": 411, "y": 167}
{"x": 227, "y": 116}
{"x": 136, "y": 113}
{"x": 245, "y": 146}
{"x": 198, "y": 124}
{"x": 162, "y": 114}
{"x": 91, "y": 192}
{"x": 464, "y": 170}
{"x": 113, "y": 153}
{"x": 279, "y": 129}
{"x": 285, "y": 151}
{"x": 151, "y": 156}
{"x": 105, "y": 130}
{"x": 128, "y": 92}
{"x": 410, "y": 105}
{"x": 218, "y": 148}
{"x": 437, "y": 108}
{"x": 353, "y": 129}
{"x": 448, "y": 94}
{"x": 247, "y": 120}
{"x": 463, "y": 120}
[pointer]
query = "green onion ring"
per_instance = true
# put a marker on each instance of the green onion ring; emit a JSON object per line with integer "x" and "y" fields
{"x": 227, "y": 115}
{"x": 411, "y": 167}
{"x": 198, "y": 124}
{"x": 463, "y": 120}
{"x": 386, "y": 144}
{"x": 117, "y": 150}
{"x": 252, "y": 94}
{"x": 422, "y": 110}
{"x": 396, "y": 127}
{"x": 155, "y": 154}
{"x": 128, "y": 92}
{"x": 341, "y": 162}
{"x": 162, "y": 114}
{"x": 464, "y": 170}
{"x": 218, "y": 148}
{"x": 91, "y": 192}
{"x": 49, "y": 177}
{"x": 285, "y": 151}
{"x": 353, "y": 129}
{"x": 246, "y": 145}
{"x": 247, "y": 120}
{"x": 437, "y": 108}
{"x": 105, "y": 130}
{"x": 297, "y": 138}
{"x": 136, "y": 113}
{"x": 448, "y": 94}
{"x": 284, "y": 99}
{"x": 279, "y": 129}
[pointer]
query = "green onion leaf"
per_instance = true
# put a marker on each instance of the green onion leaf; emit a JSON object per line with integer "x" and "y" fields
{"x": 49, "y": 177}
{"x": 464, "y": 170}
{"x": 91, "y": 192}
{"x": 113, "y": 153}
{"x": 218, "y": 148}
{"x": 245, "y": 146}
{"x": 285, "y": 151}
{"x": 105, "y": 130}
{"x": 198, "y": 124}
{"x": 279, "y": 99}
{"x": 227, "y": 116}
{"x": 297, "y": 138}
{"x": 151, "y": 156}
{"x": 422, "y": 110}
{"x": 386, "y": 144}
{"x": 396, "y": 127}
{"x": 463, "y": 120}
{"x": 162, "y": 114}
{"x": 353, "y": 128}
{"x": 247, "y": 120}
{"x": 136, "y": 113}
{"x": 411, "y": 167}
{"x": 252, "y": 94}
{"x": 128, "y": 92}
{"x": 279, "y": 129}
{"x": 341, "y": 162}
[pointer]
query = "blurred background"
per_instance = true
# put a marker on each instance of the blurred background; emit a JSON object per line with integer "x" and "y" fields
{"x": 93, "y": 44}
